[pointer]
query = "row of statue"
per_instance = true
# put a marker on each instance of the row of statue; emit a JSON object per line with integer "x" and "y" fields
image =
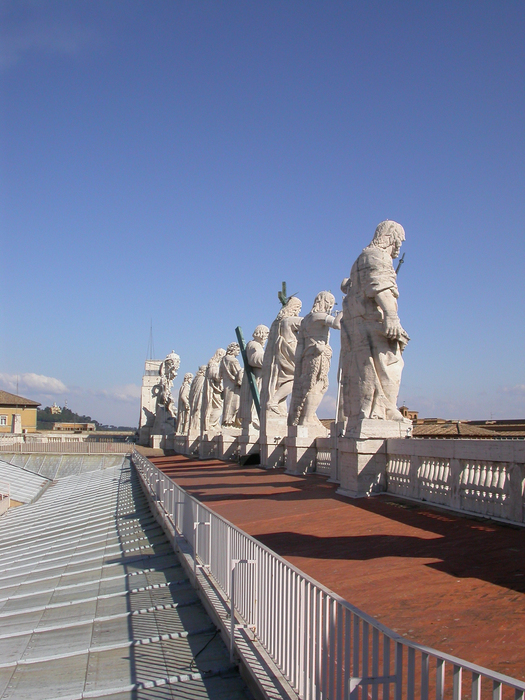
{"x": 292, "y": 359}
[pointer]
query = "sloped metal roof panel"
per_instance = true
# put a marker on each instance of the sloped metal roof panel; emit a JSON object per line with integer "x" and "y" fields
{"x": 24, "y": 485}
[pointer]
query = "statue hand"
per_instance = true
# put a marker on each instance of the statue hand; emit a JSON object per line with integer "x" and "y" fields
{"x": 394, "y": 330}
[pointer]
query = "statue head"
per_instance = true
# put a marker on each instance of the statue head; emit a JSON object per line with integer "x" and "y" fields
{"x": 291, "y": 308}
{"x": 170, "y": 365}
{"x": 233, "y": 349}
{"x": 201, "y": 371}
{"x": 187, "y": 378}
{"x": 389, "y": 234}
{"x": 261, "y": 334}
{"x": 324, "y": 302}
{"x": 219, "y": 354}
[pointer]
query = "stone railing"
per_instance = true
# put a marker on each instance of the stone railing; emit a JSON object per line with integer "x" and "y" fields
{"x": 485, "y": 477}
{"x": 64, "y": 447}
{"x": 482, "y": 477}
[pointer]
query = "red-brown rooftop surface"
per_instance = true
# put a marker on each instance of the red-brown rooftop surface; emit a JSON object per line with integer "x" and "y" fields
{"x": 447, "y": 581}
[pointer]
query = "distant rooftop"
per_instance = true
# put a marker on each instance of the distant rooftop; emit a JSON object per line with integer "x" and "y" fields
{"x": 7, "y": 399}
{"x": 452, "y": 429}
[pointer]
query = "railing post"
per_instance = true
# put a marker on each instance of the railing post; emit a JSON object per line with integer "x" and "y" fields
{"x": 195, "y": 548}
{"x": 232, "y": 601}
{"x": 456, "y": 682}
{"x": 399, "y": 671}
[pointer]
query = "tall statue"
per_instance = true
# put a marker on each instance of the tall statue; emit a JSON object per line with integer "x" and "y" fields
{"x": 372, "y": 338}
{"x": 212, "y": 395}
{"x": 231, "y": 374}
{"x": 312, "y": 363}
{"x": 195, "y": 400}
{"x": 255, "y": 357}
{"x": 165, "y": 409}
{"x": 279, "y": 360}
{"x": 183, "y": 408}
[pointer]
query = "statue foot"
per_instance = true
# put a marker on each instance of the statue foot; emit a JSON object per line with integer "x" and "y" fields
{"x": 274, "y": 408}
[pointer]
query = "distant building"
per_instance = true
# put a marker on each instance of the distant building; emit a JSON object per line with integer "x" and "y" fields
{"x": 75, "y": 427}
{"x": 148, "y": 399}
{"x": 55, "y": 409}
{"x": 17, "y": 414}
{"x": 406, "y": 413}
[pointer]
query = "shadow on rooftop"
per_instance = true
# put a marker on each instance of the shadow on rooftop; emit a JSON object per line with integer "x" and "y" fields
{"x": 480, "y": 560}
{"x": 466, "y": 546}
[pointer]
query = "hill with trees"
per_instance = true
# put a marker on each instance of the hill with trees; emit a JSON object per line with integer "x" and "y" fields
{"x": 45, "y": 419}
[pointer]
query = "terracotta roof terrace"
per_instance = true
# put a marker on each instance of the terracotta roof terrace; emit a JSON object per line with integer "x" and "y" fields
{"x": 452, "y": 582}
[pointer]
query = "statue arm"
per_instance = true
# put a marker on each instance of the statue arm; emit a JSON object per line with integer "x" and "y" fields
{"x": 334, "y": 322}
{"x": 238, "y": 373}
{"x": 391, "y": 324}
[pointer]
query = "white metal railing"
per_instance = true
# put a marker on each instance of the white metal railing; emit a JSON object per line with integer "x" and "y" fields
{"x": 67, "y": 447}
{"x": 5, "y": 497}
{"x": 325, "y": 647}
{"x": 485, "y": 477}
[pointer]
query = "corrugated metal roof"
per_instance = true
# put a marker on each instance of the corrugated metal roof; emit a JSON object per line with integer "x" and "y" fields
{"x": 24, "y": 485}
{"x": 95, "y": 603}
{"x": 58, "y": 466}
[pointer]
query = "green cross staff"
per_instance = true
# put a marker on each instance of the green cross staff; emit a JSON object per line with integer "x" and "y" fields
{"x": 282, "y": 295}
{"x": 249, "y": 371}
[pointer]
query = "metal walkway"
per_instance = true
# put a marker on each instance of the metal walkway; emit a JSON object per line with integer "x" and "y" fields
{"x": 94, "y": 603}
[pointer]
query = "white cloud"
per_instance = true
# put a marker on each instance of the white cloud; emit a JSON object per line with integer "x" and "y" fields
{"x": 517, "y": 389}
{"x": 116, "y": 405}
{"x": 127, "y": 392}
{"x": 30, "y": 382}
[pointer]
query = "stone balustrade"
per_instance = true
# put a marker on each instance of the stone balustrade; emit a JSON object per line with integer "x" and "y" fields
{"x": 485, "y": 477}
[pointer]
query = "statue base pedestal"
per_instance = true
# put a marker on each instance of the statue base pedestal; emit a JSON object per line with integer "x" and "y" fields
{"x": 272, "y": 452}
{"x": 227, "y": 444}
{"x": 144, "y": 435}
{"x": 272, "y": 440}
{"x": 180, "y": 444}
{"x": 361, "y": 455}
{"x": 367, "y": 428}
{"x": 169, "y": 442}
{"x": 249, "y": 444}
{"x": 209, "y": 447}
{"x": 362, "y": 466}
{"x": 301, "y": 451}
{"x": 194, "y": 440}
{"x": 157, "y": 441}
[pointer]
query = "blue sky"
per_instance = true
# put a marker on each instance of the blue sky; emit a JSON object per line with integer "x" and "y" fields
{"x": 173, "y": 161}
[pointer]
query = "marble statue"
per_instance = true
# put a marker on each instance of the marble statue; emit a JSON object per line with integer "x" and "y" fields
{"x": 165, "y": 411}
{"x": 231, "y": 374}
{"x": 312, "y": 363}
{"x": 279, "y": 360}
{"x": 372, "y": 338}
{"x": 183, "y": 407}
{"x": 255, "y": 356}
{"x": 212, "y": 400}
{"x": 195, "y": 400}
